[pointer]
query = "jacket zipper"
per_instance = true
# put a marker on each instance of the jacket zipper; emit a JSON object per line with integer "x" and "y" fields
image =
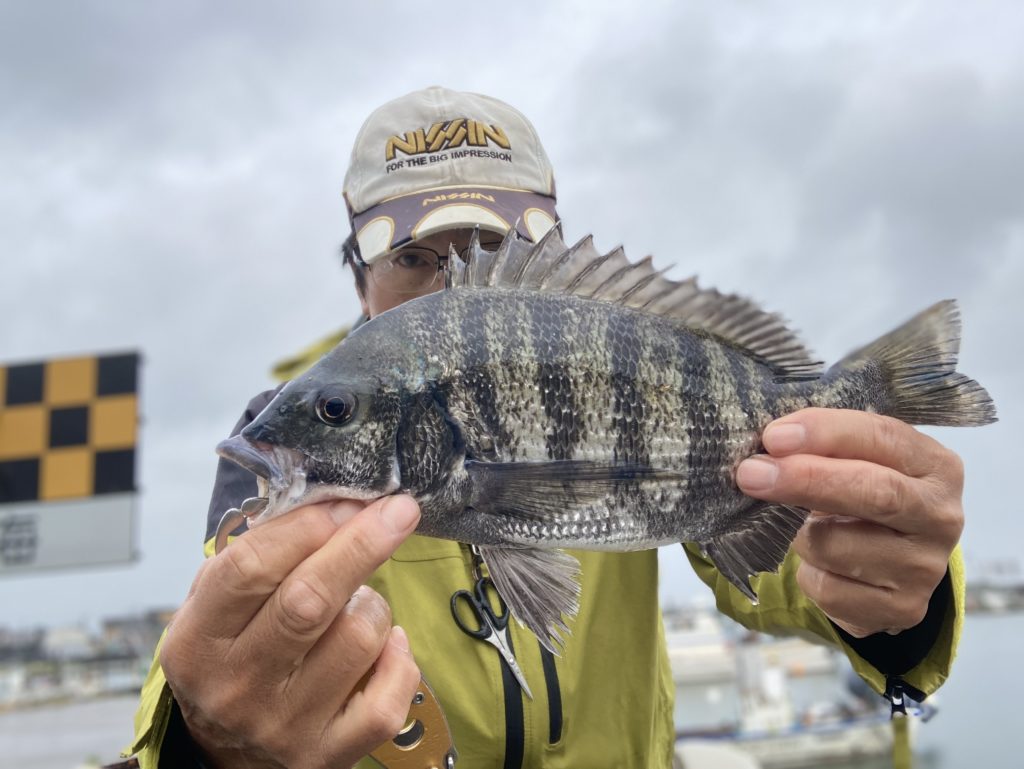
{"x": 515, "y": 729}
{"x": 515, "y": 732}
{"x": 896, "y": 691}
{"x": 554, "y": 695}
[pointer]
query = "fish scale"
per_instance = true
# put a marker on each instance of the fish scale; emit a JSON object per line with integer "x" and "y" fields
{"x": 554, "y": 397}
{"x": 613, "y": 394}
{"x": 564, "y": 430}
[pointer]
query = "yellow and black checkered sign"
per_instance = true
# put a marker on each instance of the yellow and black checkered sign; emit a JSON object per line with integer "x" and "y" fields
{"x": 68, "y": 427}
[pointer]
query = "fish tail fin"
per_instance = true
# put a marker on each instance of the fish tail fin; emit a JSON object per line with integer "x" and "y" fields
{"x": 915, "y": 365}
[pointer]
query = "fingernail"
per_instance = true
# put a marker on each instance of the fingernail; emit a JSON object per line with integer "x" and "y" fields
{"x": 784, "y": 437}
{"x": 758, "y": 473}
{"x": 399, "y": 638}
{"x": 399, "y": 513}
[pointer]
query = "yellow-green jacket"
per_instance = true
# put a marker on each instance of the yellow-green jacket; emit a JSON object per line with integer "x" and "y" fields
{"x": 608, "y": 699}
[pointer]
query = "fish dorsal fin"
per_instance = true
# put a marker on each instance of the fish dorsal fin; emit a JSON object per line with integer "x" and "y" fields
{"x": 581, "y": 270}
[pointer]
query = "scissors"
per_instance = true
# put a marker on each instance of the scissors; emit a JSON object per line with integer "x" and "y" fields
{"x": 489, "y": 625}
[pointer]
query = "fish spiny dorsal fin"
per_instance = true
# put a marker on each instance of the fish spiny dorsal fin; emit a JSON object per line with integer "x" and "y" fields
{"x": 510, "y": 261}
{"x": 580, "y": 255}
{"x": 568, "y": 255}
{"x": 642, "y": 275}
{"x": 455, "y": 274}
{"x": 581, "y": 270}
{"x": 582, "y": 275}
{"x": 479, "y": 264}
{"x": 531, "y": 272}
{"x": 466, "y": 270}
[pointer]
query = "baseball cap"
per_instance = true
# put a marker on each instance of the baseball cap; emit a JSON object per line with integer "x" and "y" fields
{"x": 438, "y": 159}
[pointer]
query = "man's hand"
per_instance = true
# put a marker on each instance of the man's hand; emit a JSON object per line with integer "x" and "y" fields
{"x": 886, "y": 512}
{"x": 268, "y": 653}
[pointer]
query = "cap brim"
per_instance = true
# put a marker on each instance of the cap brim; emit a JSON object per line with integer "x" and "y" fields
{"x": 395, "y": 222}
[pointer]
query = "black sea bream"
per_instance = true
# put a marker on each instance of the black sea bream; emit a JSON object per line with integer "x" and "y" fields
{"x": 556, "y": 398}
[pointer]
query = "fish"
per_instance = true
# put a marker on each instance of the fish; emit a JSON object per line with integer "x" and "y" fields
{"x": 552, "y": 397}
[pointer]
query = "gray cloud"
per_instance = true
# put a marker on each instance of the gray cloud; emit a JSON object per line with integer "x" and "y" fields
{"x": 172, "y": 183}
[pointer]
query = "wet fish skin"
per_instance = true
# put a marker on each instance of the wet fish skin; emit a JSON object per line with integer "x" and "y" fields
{"x": 525, "y": 420}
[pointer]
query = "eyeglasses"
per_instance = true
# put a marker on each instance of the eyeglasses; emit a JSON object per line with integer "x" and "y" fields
{"x": 413, "y": 269}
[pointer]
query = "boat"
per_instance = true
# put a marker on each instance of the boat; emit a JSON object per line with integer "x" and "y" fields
{"x": 784, "y": 702}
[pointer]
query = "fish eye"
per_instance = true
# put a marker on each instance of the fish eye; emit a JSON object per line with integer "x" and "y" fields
{"x": 335, "y": 409}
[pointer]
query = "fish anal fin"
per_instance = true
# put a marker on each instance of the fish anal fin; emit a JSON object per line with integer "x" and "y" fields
{"x": 540, "y": 588}
{"x": 758, "y": 545}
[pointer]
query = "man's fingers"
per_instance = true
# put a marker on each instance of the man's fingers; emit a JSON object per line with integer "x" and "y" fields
{"x": 848, "y": 547}
{"x": 378, "y": 712}
{"x": 234, "y": 585}
{"x": 850, "y": 487}
{"x": 312, "y": 595}
{"x": 197, "y": 578}
{"x": 866, "y": 552}
{"x": 346, "y": 650}
{"x": 848, "y": 434}
{"x": 858, "y": 608}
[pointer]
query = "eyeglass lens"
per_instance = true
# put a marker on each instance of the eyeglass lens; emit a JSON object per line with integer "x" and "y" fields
{"x": 413, "y": 269}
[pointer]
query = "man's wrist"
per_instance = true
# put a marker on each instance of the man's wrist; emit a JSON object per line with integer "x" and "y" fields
{"x": 178, "y": 749}
{"x": 897, "y": 654}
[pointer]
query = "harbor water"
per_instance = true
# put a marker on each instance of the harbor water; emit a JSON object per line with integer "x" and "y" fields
{"x": 978, "y": 722}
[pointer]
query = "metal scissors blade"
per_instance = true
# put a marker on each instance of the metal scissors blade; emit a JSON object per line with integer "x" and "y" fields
{"x": 498, "y": 637}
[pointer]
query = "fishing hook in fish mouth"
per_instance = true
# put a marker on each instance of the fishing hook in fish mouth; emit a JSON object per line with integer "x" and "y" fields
{"x": 234, "y": 518}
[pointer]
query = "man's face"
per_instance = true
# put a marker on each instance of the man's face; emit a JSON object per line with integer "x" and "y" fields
{"x": 412, "y": 270}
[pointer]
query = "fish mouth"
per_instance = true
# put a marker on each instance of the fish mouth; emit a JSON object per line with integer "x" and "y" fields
{"x": 280, "y": 474}
{"x": 282, "y": 479}
{"x": 257, "y": 460}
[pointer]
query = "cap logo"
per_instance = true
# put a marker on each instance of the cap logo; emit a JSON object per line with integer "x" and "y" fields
{"x": 446, "y": 197}
{"x": 444, "y": 135}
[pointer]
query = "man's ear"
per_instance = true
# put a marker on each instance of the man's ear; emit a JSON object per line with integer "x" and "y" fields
{"x": 360, "y": 286}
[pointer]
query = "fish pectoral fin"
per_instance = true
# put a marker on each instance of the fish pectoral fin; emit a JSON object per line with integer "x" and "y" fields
{"x": 759, "y": 545}
{"x": 542, "y": 491}
{"x": 539, "y": 587}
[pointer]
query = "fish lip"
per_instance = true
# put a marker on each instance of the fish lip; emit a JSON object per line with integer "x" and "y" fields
{"x": 258, "y": 459}
{"x": 280, "y": 473}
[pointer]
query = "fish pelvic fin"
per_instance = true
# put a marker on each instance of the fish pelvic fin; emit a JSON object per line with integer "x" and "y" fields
{"x": 760, "y": 544}
{"x": 540, "y": 587}
{"x": 917, "y": 365}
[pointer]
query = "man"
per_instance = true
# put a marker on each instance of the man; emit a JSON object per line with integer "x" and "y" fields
{"x": 266, "y": 661}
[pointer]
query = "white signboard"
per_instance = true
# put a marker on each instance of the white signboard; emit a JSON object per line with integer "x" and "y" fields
{"x": 76, "y": 532}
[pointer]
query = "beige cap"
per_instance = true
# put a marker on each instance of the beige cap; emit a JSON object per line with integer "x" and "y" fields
{"x": 437, "y": 160}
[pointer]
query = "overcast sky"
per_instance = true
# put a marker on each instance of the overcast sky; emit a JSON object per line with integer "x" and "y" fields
{"x": 171, "y": 178}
